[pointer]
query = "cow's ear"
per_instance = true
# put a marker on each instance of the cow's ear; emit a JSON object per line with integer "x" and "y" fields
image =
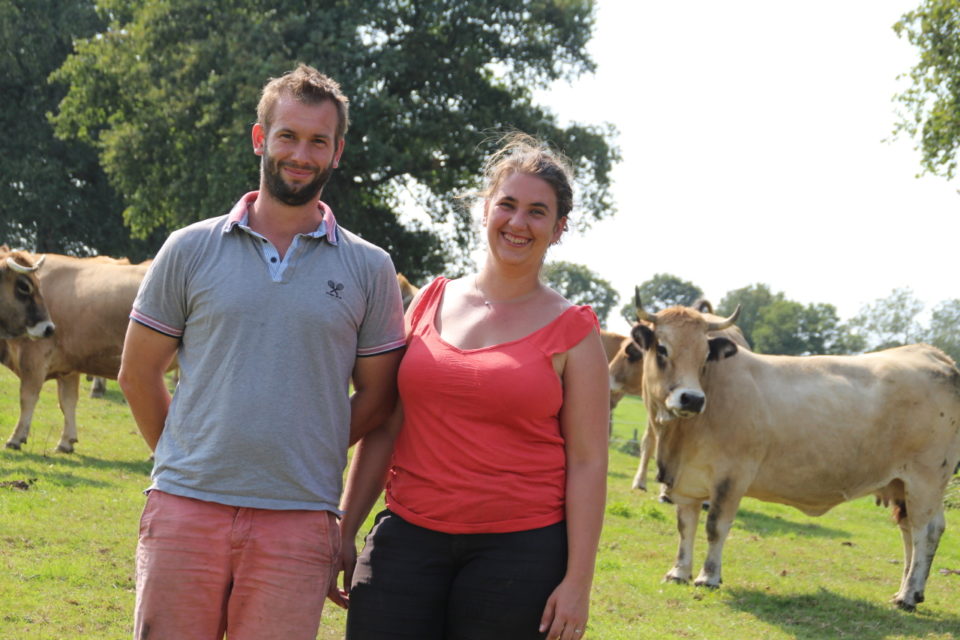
{"x": 643, "y": 336}
{"x": 634, "y": 354}
{"x": 721, "y": 348}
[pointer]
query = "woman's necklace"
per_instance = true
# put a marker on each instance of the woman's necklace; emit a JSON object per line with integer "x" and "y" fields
{"x": 489, "y": 303}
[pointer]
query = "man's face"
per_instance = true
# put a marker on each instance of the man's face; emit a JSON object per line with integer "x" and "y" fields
{"x": 300, "y": 151}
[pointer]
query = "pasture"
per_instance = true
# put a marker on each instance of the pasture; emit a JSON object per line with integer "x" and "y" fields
{"x": 68, "y": 526}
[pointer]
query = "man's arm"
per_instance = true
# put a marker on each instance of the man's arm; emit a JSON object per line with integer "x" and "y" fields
{"x": 374, "y": 392}
{"x": 146, "y": 356}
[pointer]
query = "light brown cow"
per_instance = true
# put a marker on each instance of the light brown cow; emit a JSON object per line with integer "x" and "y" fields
{"x": 22, "y": 309}
{"x": 407, "y": 290}
{"x": 90, "y": 301}
{"x": 626, "y": 376}
{"x": 810, "y": 432}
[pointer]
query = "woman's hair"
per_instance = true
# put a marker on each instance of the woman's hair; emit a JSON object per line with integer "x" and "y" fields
{"x": 306, "y": 85}
{"x": 522, "y": 153}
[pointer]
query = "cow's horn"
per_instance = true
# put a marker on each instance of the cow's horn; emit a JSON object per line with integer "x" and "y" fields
{"x": 19, "y": 268}
{"x": 723, "y": 324}
{"x": 642, "y": 314}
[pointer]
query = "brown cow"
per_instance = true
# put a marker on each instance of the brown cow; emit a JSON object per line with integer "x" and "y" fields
{"x": 810, "y": 432}
{"x": 626, "y": 376}
{"x": 407, "y": 290}
{"x": 90, "y": 301}
{"x": 22, "y": 309}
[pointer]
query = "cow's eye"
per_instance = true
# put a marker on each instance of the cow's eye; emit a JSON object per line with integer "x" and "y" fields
{"x": 24, "y": 288}
{"x": 661, "y": 350}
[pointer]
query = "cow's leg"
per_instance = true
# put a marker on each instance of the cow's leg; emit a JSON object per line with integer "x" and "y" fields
{"x": 98, "y": 388}
{"x": 31, "y": 381}
{"x": 723, "y": 507}
{"x": 649, "y": 444}
{"x": 926, "y": 539}
{"x": 687, "y": 517}
{"x": 68, "y": 392}
{"x": 907, "y": 536}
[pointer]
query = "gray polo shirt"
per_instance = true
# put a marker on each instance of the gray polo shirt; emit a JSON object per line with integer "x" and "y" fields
{"x": 261, "y": 416}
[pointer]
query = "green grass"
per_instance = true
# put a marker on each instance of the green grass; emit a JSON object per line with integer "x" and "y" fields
{"x": 67, "y": 545}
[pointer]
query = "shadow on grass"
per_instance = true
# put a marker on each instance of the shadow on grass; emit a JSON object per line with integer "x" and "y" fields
{"x": 58, "y": 468}
{"x": 828, "y": 615}
{"x": 774, "y": 525}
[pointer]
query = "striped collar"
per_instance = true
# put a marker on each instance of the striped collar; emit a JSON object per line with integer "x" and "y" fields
{"x": 239, "y": 216}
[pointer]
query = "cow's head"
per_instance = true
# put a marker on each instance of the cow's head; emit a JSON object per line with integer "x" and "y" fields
{"x": 22, "y": 310}
{"x": 676, "y": 352}
{"x": 626, "y": 369}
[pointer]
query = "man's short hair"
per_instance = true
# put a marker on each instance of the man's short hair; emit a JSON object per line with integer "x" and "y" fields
{"x": 306, "y": 85}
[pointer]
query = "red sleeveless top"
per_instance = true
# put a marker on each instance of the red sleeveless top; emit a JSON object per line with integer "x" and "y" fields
{"x": 481, "y": 450}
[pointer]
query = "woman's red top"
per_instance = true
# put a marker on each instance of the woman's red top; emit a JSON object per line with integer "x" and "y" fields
{"x": 481, "y": 449}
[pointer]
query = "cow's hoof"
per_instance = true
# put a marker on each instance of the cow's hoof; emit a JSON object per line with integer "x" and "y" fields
{"x": 65, "y": 448}
{"x": 708, "y": 584}
{"x": 640, "y": 486}
{"x": 665, "y": 499}
{"x": 904, "y": 605}
{"x": 13, "y": 445}
{"x": 675, "y": 579}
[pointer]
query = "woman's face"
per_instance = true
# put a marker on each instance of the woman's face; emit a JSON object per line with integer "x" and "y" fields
{"x": 521, "y": 219}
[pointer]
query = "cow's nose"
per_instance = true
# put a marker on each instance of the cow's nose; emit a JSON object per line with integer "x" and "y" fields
{"x": 691, "y": 401}
{"x": 49, "y": 330}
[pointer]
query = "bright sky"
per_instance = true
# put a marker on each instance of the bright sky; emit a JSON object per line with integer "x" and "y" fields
{"x": 752, "y": 135}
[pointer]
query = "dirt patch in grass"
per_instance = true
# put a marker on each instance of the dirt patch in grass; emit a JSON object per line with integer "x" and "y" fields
{"x": 20, "y": 485}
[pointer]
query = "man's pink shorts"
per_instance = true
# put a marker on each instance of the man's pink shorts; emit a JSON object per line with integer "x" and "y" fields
{"x": 205, "y": 568}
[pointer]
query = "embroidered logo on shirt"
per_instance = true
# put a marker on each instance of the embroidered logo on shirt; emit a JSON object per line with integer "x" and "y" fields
{"x": 335, "y": 289}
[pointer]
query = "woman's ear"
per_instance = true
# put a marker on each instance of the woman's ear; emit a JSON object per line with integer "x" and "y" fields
{"x": 558, "y": 229}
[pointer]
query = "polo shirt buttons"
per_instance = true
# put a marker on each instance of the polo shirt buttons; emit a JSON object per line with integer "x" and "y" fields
{"x": 273, "y": 259}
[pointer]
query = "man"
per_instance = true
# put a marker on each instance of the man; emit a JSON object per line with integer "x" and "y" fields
{"x": 271, "y": 310}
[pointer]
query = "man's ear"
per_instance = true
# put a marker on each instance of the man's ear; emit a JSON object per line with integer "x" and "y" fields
{"x": 721, "y": 348}
{"x": 258, "y": 136}
{"x": 643, "y": 336}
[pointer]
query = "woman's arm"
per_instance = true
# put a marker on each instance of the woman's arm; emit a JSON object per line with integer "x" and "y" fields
{"x": 365, "y": 480}
{"x": 584, "y": 421}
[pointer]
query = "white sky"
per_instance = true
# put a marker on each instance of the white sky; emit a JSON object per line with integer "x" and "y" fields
{"x": 752, "y": 135}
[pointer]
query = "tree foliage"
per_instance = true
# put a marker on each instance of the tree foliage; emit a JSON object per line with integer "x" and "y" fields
{"x": 932, "y": 101}
{"x": 53, "y": 194}
{"x": 944, "y": 331}
{"x": 891, "y": 321}
{"x": 168, "y": 91}
{"x": 580, "y": 285}
{"x": 752, "y": 299}
{"x": 659, "y": 292}
{"x": 790, "y": 328}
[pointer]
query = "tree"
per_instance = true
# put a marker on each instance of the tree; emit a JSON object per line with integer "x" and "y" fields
{"x": 580, "y": 285}
{"x": 53, "y": 194}
{"x": 788, "y": 327}
{"x": 891, "y": 321}
{"x": 168, "y": 91}
{"x": 659, "y": 292}
{"x": 932, "y": 101}
{"x": 944, "y": 331}
{"x": 752, "y": 299}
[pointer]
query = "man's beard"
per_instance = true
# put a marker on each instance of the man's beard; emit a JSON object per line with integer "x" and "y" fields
{"x": 293, "y": 196}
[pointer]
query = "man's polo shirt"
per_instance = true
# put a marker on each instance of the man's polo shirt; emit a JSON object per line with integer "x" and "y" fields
{"x": 261, "y": 416}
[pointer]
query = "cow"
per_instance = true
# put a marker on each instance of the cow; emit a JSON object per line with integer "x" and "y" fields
{"x": 806, "y": 431}
{"x": 90, "y": 301}
{"x": 626, "y": 376}
{"x": 407, "y": 290}
{"x": 98, "y": 385}
{"x": 22, "y": 309}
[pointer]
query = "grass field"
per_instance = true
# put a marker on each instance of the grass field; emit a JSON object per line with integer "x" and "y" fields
{"x": 67, "y": 542}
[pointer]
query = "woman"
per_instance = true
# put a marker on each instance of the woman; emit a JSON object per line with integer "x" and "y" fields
{"x": 495, "y": 459}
